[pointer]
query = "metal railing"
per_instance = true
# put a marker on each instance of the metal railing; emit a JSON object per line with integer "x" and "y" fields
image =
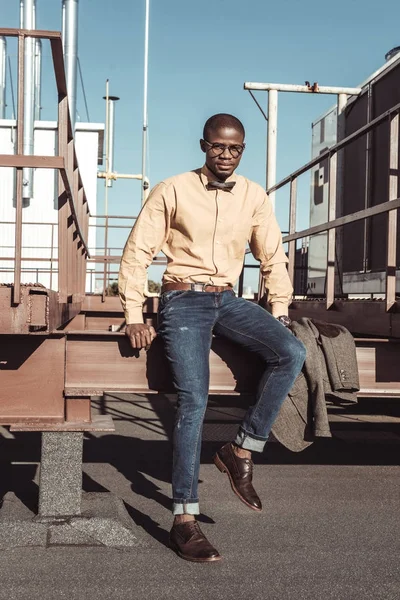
{"x": 102, "y": 260}
{"x": 390, "y": 206}
{"x": 73, "y": 210}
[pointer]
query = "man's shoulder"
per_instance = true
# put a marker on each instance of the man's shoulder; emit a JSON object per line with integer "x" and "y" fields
{"x": 250, "y": 183}
{"x": 252, "y": 189}
{"x": 181, "y": 178}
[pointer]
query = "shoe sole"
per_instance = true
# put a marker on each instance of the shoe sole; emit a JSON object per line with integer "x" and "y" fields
{"x": 222, "y": 467}
{"x": 198, "y": 560}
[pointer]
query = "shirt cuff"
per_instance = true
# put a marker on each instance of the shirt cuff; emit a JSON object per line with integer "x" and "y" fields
{"x": 134, "y": 316}
{"x": 279, "y": 309}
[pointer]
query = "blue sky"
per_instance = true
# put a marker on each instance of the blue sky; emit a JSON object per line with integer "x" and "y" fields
{"x": 201, "y": 53}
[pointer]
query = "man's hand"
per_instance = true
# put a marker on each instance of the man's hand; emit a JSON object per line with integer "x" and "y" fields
{"x": 140, "y": 335}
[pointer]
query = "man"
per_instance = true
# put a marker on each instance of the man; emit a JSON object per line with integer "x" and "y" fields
{"x": 202, "y": 221}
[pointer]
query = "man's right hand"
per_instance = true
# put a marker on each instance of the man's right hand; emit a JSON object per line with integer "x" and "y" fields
{"x": 140, "y": 335}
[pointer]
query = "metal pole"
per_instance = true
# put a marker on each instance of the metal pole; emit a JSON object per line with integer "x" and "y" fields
{"x": 111, "y": 100}
{"x": 28, "y": 22}
{"x": 107, "y": 97}
{"x": 145, "y": 90}
{"x": 392, "y": 215}
{"x": 3, "y": 54}
{"x": 38, "y": 78}
{"x": 340, "y": 135}
{"x": 272, "y": 142}
{"x": 307, "y": 89}
{"x": 103, "y": 297}
{"x": 70, "y": 46}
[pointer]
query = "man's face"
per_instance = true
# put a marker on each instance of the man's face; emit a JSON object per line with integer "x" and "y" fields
{"x": 222, "y": 164}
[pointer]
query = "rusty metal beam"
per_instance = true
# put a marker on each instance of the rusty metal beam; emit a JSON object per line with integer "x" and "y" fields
{"x": 360, "y": 317}
{"x": 63, "y": 206}
{"x": 38, "y": 313}
{"x": 98, "y": 362}
{"x": 31, "y": 379}
{"x": 69, "y": 192}
{"x": 35, "y": 33}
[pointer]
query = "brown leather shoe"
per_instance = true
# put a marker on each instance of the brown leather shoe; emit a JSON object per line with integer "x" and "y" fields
{"x": 190, "y": 543}
{"x": 240, "y": 473}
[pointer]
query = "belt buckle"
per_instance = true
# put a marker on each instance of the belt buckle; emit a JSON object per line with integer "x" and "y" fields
{"x": 200, "y": 287}
{"x": 197, "y": 287}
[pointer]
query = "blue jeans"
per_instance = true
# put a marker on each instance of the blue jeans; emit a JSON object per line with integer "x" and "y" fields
{"x": 187, "y": 321}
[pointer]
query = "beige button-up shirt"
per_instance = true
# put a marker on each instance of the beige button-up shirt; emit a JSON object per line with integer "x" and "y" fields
{"x": 204, "y": 233}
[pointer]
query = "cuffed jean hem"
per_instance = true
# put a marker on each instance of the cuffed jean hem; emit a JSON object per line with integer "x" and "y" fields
{"x": 247, "y": 442}
{"x": 186, "y": 508}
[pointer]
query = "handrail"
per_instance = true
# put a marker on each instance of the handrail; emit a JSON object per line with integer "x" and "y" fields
{"x": 392, "y": 117}
{"x": 340, "y": 221}
{"x": 333, "y": 149}
{"x": 70, "y": 182}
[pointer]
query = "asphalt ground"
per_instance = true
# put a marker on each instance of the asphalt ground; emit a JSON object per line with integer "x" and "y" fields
{"x": 329, "y": 528}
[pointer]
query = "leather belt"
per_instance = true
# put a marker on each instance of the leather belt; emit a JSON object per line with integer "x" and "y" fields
{"x": 195, "y": 287}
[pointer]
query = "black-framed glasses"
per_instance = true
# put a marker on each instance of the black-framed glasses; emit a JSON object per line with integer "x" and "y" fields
{"x": 217, "y": 149}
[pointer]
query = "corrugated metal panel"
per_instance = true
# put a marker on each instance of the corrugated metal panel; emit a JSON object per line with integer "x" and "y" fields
{"x": 364, "y": 246}
{"x": 323, "y": 136}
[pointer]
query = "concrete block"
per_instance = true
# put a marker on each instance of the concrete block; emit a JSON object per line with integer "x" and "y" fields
{"x": 66, "y": 535}
{"x": 60, "y": 487}
{"x": 15, "y": 534}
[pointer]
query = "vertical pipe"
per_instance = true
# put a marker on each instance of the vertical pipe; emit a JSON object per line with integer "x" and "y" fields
{"x": 28, "y": 22}
{"x": 107, "y": 96}
{"x": 70, "y": 46}
{"x": 145, "y": 184}
{"x": 105, "y": 260}
{"x": 19, "y": 194}
{"x": 110, "y": 136}
{"x": 392, "y": 215}
{"x": 340, "y": 135}
{"x": 368, "y": 172}
{"x": 330, "y": 272}
{"x": 292, "y": 229}
{"x": 3, "y": 55}
{"x": 38, "y": 79}
{"x": 51, "y": 256}
{"x": 272, "y": 142}
{"x": 103, "y": 296}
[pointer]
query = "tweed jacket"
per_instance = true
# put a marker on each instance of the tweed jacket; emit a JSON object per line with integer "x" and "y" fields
{"x": 330, "y": 373}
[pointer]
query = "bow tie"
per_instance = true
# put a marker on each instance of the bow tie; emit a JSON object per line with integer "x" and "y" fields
{"x": 221, "y": 185}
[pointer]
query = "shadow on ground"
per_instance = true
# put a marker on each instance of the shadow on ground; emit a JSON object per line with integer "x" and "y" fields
{"x": 145, "y": 458}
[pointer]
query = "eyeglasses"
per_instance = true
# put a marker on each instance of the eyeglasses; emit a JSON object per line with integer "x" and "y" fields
{"x": 217, "y": 149}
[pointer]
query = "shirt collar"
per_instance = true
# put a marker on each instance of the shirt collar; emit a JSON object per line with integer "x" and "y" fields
{"x": 206, "y": 175}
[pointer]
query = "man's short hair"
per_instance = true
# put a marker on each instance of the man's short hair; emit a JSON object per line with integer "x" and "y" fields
{"x": 220, "y": 121}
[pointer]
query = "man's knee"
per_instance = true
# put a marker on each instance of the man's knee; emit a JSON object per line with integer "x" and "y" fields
{"x": 295, "y": 352}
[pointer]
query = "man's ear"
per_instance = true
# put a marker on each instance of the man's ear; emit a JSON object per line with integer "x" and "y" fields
{"x": 203, "y": 145}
